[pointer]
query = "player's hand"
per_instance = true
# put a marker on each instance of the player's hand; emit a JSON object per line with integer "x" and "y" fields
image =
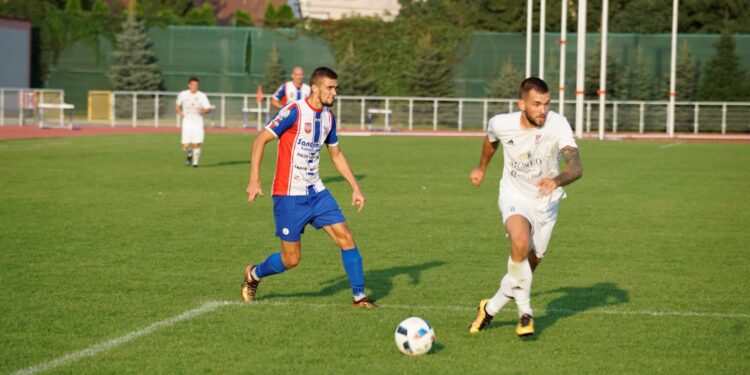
{"x": 476, "y": 176}
{"x": 546, "y": 186}
{"x": 358, "y": 200}
{"x": 253, "y": 190}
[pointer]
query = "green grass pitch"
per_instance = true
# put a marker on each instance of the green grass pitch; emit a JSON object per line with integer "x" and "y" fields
{"x": 648, "y": 270}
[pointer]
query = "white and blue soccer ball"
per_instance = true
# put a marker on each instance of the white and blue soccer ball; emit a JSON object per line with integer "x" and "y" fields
{"x": 414, "y": 336}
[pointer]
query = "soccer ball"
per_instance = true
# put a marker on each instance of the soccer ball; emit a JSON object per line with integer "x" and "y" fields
{"x": 414, "y": 336}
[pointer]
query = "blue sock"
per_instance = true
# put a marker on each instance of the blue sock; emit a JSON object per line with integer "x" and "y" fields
{"x": 271, "y": 266}
{"x": 353, "y": 265}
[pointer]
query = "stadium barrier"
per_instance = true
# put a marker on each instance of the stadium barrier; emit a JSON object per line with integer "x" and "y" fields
{"x": 19, "y": 106}
{"x": 393, "y": 114}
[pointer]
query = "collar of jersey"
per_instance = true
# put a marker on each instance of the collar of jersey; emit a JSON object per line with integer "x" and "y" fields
{"x": 311, "y": 107}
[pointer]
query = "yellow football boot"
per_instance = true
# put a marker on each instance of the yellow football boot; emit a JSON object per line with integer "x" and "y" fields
{"x": 483, "y": 319}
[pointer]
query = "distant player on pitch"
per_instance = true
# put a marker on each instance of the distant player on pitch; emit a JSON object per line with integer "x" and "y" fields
{"x": 291, "y": 91}
{"x": 530, "y": 190}
{"x": 191, "y": 105}
{"x": 299, "y": 197}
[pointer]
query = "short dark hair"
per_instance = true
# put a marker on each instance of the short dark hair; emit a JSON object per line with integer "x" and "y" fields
{"x": 321, "y": 73}
{"x": 532, "y": 83}
{"x": 194, "y": 79}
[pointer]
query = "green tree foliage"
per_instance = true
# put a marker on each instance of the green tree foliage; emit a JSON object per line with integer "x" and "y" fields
{"x": 505, "y": 85}
{"x": 274, "y": 75}
{"x": 58, "y": 29}
{"x": 164, "y": 18}
{"x": 687, "y": 75}
{"x": 614, "y": 79}
{"x": 100, "y": 7}
{"x": 242, "y": 19}
{"x": 203, "y": 16}
{"x": 640, "y": 77}
{"x": 73, "y": 6}
{"x": 354, "y": 79}
{"x": 270, "y": 19}
{"x": 430, "y": 73}
{"x": 150, "y": 7}
{"x": 723, "y": 78}
{"x": 134, "y": 65}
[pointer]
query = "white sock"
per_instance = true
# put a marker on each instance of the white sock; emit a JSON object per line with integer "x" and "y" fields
{"x": 196, "y": 156}
{"x": 501, "y": 298}
{"x": 520, "y": 273}
{"x": 254, "y": 275}
{"x": 358, "y": 297}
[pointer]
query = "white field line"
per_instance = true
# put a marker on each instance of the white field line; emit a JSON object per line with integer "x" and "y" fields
{"x": 215, "y": 305}
{"x": 668, "y": 145}
{"x": 107, "y": 345}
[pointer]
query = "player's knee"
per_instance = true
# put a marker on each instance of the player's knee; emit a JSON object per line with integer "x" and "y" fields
{"x": 346, "y": 240}
{"x": 290, "y": 260}
{"x": 520, "y": 245}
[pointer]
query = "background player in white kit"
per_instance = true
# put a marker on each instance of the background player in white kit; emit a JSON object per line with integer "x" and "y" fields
{"x": 291, "y": 91}
{"x": 530, "y": 190}
{"x": 191, "y": 105}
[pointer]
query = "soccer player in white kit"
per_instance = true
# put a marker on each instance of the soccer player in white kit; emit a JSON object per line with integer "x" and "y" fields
{"x": 291, "y": 91}
{"x": 191, "y": 105}
{"x": 530, "y": 190}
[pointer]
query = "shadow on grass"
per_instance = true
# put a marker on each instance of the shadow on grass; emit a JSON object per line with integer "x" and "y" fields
{"x": 333, "y": 179}
{"x": 226, "y": 163}
{"x": 577, "y": 300}
{"x": 380, "y": 282}
{"x": 573, "y": 301}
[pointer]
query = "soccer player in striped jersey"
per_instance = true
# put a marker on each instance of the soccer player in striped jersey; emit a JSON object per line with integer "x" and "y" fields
{"x": 533, "y": 140}
{"x": 303, "y": 127}
{"x": 291, "y": 91}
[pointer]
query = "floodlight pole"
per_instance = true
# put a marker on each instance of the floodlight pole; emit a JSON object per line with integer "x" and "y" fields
{"x": 563, "y": 42}
{"x": 673, "y": 71}
{"x": 529, "y": 21}
{"x": 603, "y": 69}
{"x": 580, "y": 64}
{"x": 542, "y": 20}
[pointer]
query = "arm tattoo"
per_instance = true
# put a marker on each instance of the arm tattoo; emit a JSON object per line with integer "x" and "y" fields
{"x": 573, "y": 168}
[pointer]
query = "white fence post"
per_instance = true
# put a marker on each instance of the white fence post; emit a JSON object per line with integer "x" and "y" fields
{"x": 112, "y": 109}
{"x": 484, "y": 115}
{"x": 135, "y": 109}
{"x": 695, "y": 118}
{"x": 434, "y": 115}
{"x": 156, "y": 109}
{"x": 460, "y": 114}
{"x": 339, "y": 124}
{"x": 362, "y": 114}
{"x": 588, "y": 116}
{"x": 724, "y": 118}
{"x": 387, "y": 116}
{"x": 62, "y": 111}
{"x": 223, "y": 111}
{"x": 411, "y": 114}
{"x": 641, "y": 124}
{"x": 510, "y": 106}
{"x": 614, "y": 117}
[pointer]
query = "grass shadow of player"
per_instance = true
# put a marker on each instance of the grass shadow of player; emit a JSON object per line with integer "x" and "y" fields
{"x": 334, "y": 179}
{"x": 578, "y": 300}
{"x": 225, "y": 163}
{"x": 379, "y": 282}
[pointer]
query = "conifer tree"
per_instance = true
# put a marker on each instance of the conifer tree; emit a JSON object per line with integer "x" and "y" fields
{"x": 430, "y": 73}
{"x": 505, "y": 85}
{"x": 353, "y": 77}
{"x": 274, "y": 75}
{"x": 723, "y": 78}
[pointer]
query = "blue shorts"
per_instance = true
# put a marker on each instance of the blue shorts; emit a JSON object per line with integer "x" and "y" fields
{"x": 292, "y": 213}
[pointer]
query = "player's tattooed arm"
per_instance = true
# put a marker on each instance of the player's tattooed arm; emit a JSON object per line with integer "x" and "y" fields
{"x": 573, "y": 167}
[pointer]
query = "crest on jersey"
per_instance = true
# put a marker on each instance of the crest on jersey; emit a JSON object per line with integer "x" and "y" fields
{"x": 308, "y": 127}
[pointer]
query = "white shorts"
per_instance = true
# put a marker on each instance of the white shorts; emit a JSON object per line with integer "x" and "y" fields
{"x": 542, "y": 215}
{"x": 192, "y": 130}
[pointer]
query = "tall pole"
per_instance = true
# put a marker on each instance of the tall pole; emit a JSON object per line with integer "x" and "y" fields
{"x": 563, "y": 42}
{"x": 672, "y": 71}
{"x": 580, "y": 64}
{"x": 603, "y": 70}
{"x": 529, "y": 21}
{"x": 542, "y": 20}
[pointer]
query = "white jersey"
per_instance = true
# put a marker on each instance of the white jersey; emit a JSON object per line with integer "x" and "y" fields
{"x": 530, "y": 154}
{"x": 288, "y": 92}
{"x": 191, "y": 103}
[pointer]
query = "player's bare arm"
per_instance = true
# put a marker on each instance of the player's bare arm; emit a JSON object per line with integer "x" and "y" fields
{"x": 276, "y": 103}
{"x": 256, "y": 157}
{"x": 342, "y": 166}
{"x": 572, "y": 172}
{"x": 178, "y": 110}
{"x": 488, "y": 150}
